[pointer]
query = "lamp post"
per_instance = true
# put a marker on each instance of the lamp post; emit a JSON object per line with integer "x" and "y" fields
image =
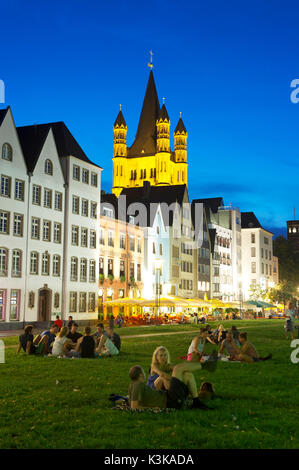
{"x": 158, "y": 266}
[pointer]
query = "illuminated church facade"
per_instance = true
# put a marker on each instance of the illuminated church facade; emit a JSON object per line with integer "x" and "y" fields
{"x": 150, "y": 157}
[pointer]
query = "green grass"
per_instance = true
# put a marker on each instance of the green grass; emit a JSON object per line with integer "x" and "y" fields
{"x": 259, "y": 408}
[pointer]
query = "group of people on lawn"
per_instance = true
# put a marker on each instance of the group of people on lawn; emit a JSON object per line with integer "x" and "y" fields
{"x": 66, "y": 341}
{"x": 169, "y": 386}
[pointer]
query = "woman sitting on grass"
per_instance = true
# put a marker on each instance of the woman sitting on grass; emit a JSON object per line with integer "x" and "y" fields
{"x": 196, "y": 348}
{"x": 62, "y": 344}
{"x": 161, "y": 369}
{"x": 247, "y": 352}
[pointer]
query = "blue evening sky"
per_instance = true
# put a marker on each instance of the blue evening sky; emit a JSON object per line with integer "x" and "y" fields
{"x": 226, "y": 65}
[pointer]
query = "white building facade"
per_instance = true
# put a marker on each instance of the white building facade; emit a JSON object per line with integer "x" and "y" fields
{"x": 38, "y": 248}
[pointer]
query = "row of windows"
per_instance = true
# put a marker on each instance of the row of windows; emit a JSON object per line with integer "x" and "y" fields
{"x": 16, "y": 265}
{"x": 84, "y": 175}
{"x": 14, "y": 304}
{"x": 268, "y": 254}
{"x": 47, "y": 199}
{"x": 6, "y": 186}
{"x": 204, "y": 268}
{"x": 221, "y": 241}
{"x": 203, "y": 253}
{"x": 122, "y": 240}
{"x": 82, "y": 266}
{"x": 122, "y": 269}
{"x": 186, "y": 248}
{"x": 84, "y": 207}
{"x": 84, "y": 237}
{"x": 82, "y": 298}
{"x": 266, "y": 269}
{"x": 186, "y": 267}
{"x": 186, "y": 284}
{"x": 266, "y": 240}
{"x": 18, "y": 224}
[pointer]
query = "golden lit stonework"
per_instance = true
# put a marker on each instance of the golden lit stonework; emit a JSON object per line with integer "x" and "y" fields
{"x": 150, "y": 157}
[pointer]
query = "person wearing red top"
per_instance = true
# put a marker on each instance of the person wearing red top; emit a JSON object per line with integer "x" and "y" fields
{"x": 58, "y": 322}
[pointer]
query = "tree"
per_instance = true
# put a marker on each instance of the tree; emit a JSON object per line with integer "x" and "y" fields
{"x": 283, "y": 292}
{"x": 288, "y": 261}
{"x": 257, "y": 292}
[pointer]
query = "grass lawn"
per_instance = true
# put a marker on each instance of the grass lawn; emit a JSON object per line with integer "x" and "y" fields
{"x": 259, "y": 407}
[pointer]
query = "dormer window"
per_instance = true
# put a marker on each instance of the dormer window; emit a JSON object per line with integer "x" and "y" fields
{"x": 7, "y": 152}
{"x": 48, "y": 167}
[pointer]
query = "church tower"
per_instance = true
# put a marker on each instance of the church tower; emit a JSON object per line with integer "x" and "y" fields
{"x": 180, "y": 151}
{"x": 119, "y": 153}
{"x": 150, "y": 157}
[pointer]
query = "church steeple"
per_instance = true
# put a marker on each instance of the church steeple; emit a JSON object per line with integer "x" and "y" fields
{"x": 163, "y": 124}
{"x": 120, "y": 136}
{"x": 146, "y": 136}
{"x": 180, "y": 142}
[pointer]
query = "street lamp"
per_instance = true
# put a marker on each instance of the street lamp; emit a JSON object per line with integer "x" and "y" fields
{"x": 158, "y": 267}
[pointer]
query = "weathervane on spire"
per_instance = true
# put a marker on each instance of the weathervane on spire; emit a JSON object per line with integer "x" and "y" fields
{"x": 180, "y": 114}
{"x": 163, "y": 100}
{"x": 120, "y": 107}
{"x": 150, "y": 64}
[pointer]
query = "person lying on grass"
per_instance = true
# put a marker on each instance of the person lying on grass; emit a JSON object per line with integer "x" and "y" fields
{"x": 247, "y": 352}
{"x": 161, "y": 369}
{"x": 182, "y": 383}
{"x": 196, "y": 348}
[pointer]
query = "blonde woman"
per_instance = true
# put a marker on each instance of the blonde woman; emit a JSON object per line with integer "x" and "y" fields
{"x": 62, "y": 344}
{"x": 161, "y": 369}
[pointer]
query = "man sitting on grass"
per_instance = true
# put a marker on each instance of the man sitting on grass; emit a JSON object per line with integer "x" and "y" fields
{"x": 227, "y": 345}
{"x": 47, "y": 338}
{"x": 182, "y": 383}
{"x": 247, "y": 352}
{"x": 106, "y": 345}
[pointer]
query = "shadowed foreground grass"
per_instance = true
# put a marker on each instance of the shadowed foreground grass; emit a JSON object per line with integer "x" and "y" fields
{"x": 61, "y": 403}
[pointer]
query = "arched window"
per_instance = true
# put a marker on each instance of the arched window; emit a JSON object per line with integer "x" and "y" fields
{"x": 34, "y": 262}
{"x": 7, "y": 152}
{"x": 3, "y": 261}
{"x": 16, "y": 263}
{"x": 46, "y": 264}
{"x": 56, "y": 265}
{"x": 48, "y": 167}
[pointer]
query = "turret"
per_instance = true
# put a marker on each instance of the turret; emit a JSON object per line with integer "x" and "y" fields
{"x": 120, "y": 136}
{"x": 163, "y": 124}
{"x": 180, "y": 142}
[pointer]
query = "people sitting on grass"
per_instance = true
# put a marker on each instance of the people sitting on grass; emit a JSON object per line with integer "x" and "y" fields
{"x": 247, "y": 352}
{"x": 100, "y": 331}
{"x": 182, "y": 383}
{"x": 196, "y": 348}
{"x": 219, "y": 334}
{"x": 86, "y": 345}
{"x": 160, "y": 371}
{"x": 73, "y": 334}
{"x": 47, "y": 338}
{"x": 115, "y": 338}
{"x": 27, "y": 341}
{"x": 227, "y": 346}
{"x": 62, "y": 345}
{"x": 106, "y": 347}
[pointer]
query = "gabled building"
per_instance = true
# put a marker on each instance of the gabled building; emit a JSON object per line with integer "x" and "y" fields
{"x": 49, "y": 204}
{"x": 257, "y": 255}
{"x": 165, "y": 214}
{"x": 150, "y": 157}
